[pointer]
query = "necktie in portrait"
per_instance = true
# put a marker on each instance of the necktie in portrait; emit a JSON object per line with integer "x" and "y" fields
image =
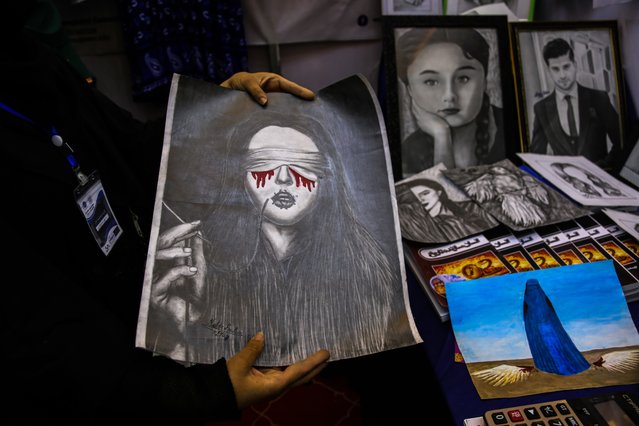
{"x": 571, "y": 119}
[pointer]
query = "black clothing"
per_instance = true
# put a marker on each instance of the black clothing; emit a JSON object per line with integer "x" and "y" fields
{"x": 418, "y": 149}
{"x": 69, "y": 312}
{"x": 597, "y": 119}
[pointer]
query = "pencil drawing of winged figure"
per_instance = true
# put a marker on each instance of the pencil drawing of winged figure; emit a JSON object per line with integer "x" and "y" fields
{"x": 514, "y": 197}
{"x": 520, "y": 197}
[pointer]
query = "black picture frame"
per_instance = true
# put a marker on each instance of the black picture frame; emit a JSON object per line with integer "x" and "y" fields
{"x": 499, "y": 80}
{"x": 597, "y": 59}
{"x": 522, "y": 9}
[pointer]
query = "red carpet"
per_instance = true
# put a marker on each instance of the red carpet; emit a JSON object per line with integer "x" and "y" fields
{"x": 390, "y": 388}
{"x": 323, "y": 401}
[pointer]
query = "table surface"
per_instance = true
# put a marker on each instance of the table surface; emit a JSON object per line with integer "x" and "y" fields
{"x": 459, "y": 391}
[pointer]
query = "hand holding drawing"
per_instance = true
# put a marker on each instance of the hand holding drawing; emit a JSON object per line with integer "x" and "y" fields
{"x": 257, "y": 83}
{"x": 437, "y": 127}
{"x": 184, "y": 282}
{"x": 253, "y": 385}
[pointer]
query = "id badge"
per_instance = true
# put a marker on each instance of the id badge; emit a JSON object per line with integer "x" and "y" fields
{"x": 93, "y": 203}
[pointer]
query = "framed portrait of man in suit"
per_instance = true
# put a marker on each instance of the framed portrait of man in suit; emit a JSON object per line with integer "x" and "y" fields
{"x": 570, "y": 89}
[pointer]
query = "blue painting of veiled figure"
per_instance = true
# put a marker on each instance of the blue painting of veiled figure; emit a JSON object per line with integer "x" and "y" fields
{"x": 552, "y": 349}
{"x": 534, "y": 332}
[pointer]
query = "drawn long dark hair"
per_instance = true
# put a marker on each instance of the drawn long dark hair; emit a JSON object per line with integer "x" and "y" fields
{"x": 414, "y": 220}
{"x": 405, "y": 195}
{"x": 473, "y": 46}
{"x": 338, "y": 278}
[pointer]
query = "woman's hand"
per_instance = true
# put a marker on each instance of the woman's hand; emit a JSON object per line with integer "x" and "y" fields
{"x": 258, "y": 83}
{"x": 439, "y": 129}
{"x": 253, "y": 385}
{"x": 429, "y": 122}
{"x": 182, "y": 283}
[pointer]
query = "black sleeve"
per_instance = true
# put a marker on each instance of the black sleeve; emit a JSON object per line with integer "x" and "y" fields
{"x": 141, "y": 142}
{"x": 539, "y": 143}
{"x": 612, "y": 124}
{"x": 69, "y": 359}
{"x": 68, "y": 313}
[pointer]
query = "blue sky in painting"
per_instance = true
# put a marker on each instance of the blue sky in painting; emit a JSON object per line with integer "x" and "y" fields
{"x": 487, "y": 313}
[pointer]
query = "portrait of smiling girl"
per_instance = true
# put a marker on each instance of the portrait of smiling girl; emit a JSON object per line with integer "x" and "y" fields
{"x": 445, "y": 75}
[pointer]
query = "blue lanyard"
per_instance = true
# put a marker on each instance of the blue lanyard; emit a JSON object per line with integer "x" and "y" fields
{"x": 56, "y": 140}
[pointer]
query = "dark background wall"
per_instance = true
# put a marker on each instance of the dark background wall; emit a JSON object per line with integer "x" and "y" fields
{"x": 312, "y": 43}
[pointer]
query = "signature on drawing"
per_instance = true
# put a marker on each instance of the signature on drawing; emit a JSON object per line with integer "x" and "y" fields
{"x": 220, "y": 329}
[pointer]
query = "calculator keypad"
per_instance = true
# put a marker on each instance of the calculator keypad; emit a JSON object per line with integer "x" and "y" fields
{"x": 555, "y": 413}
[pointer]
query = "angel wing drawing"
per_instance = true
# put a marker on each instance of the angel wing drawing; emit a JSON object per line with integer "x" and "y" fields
{"x": 618, "y": 361}
{"x": 552, "y": 349}
{"x": 504, "y": 374}
{"x": 519, "y": 196}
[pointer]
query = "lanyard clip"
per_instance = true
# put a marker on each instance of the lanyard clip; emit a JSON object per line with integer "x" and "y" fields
{"x": 82, "y": 178}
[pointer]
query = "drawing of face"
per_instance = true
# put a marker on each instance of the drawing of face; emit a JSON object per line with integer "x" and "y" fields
{"x": 445, "y": 82}
{"x": 281, "y": 179}
{"x": 426, "y": 195}
{"x": 563, "y": 72}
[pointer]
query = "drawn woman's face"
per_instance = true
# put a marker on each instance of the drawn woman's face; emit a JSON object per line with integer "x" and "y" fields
{"x": 426, "y": 195}
{"x": 280, "y": 180}
{"x": 444, "y": 82}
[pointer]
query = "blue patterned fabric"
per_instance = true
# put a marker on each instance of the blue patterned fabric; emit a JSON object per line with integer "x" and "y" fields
{"x": 199, "y": 38}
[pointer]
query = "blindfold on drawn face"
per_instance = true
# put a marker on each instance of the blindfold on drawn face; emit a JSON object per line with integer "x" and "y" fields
{"x": 270, "y": 159}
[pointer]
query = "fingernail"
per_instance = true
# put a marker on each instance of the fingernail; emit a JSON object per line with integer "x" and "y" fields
{"x": 195, "y": 222}
{"x": 193, "y": 269}
{"x": 262, "y": 100}
{"x": 259, "y": 336}
{"x": 187, "y": 249}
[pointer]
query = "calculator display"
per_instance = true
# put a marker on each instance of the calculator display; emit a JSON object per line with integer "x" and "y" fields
{"x": 613, "y": 414}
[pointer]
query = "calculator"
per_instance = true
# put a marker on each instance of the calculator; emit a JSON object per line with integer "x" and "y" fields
{"x": 614, "y": 409}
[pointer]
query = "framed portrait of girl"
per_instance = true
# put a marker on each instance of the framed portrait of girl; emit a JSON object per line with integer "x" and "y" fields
{"x": 450, "y": 92}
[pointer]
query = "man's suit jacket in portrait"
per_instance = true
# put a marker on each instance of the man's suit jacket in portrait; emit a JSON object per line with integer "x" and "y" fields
{"x": 597, "y": 118}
